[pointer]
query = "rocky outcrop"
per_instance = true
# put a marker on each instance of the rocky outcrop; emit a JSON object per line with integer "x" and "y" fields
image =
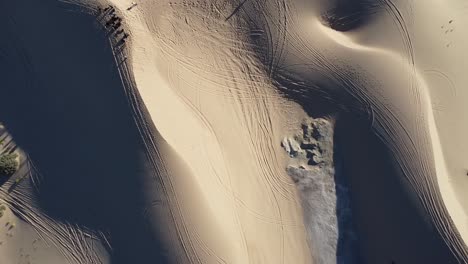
{"x": 314, "y": 144}
{"x": 324, "y": 198}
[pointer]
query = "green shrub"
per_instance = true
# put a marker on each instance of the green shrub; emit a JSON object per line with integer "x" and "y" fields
{"x": 8, "y": 164}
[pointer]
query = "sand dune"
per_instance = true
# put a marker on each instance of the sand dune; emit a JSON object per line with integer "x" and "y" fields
{"x": 235, "y": 131}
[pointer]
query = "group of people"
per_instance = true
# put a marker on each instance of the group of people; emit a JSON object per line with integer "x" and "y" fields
{"x": 114, "y": 23}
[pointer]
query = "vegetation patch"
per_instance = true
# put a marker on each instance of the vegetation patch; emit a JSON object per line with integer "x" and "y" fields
{"x": 8, "y": 164}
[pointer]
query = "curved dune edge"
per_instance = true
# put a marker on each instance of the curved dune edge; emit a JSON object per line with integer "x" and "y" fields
{"x": 457, "y": 213}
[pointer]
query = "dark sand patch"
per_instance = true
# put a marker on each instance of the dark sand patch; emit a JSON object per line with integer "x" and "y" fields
{"x": 65, "y": 105}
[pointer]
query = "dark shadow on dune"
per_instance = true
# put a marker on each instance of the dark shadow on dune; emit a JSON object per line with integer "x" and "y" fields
{"x": 390, "y": 221}
{"x": 62, "y": 100}
{"x": 347, "y": 251}
{"x": 347, "y": 15}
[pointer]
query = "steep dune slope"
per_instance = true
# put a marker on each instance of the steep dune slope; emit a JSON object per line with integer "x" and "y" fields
{"x": 66, "y": 107}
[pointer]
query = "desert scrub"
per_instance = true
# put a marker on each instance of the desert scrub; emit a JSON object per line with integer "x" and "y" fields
{"x": 8, "y": 164}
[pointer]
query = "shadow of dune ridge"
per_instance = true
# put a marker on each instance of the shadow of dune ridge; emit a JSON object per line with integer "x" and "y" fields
{"x": 348, "y": 248}
{"x": 64, "y": 104}
{"x": 389, "y": 217}
{"x": 346, "y": 15}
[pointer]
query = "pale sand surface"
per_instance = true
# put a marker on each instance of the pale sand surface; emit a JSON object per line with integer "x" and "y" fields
{"x": 193, "y": 170}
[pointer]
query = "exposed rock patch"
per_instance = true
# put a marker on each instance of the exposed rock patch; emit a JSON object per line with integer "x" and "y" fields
{"x": 324, "y": 197}
{"x": 314, "y": 144}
